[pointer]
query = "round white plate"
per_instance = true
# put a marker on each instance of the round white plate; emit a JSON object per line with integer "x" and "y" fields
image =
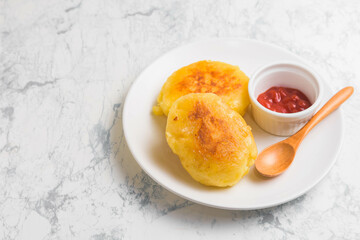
{"x": 145, "y": 132}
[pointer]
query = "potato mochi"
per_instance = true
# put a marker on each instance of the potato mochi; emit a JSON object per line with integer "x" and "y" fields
{"x": 225, "y": 80}
{"x": 213, "y": 142}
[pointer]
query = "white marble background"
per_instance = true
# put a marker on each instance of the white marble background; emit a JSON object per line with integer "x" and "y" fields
{"x": 65, "y": 68}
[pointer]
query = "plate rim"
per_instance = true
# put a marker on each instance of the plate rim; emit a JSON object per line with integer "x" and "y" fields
{"x": 254, "y": 207}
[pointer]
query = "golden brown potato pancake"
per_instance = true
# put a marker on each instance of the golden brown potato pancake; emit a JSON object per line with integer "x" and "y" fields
{"x": 225, "y": 80}
{"x": 213, "y": 142}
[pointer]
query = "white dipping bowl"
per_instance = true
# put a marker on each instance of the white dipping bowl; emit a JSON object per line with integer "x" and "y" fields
{"x": 289, "y": 75}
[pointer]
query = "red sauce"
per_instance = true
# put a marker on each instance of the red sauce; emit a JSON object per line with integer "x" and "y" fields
{"x": 284, "y": 100}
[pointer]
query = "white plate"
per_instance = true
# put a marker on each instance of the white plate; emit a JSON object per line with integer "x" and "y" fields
{"x": 145, "y": 133}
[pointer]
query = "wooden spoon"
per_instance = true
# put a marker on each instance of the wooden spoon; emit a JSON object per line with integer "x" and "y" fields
{"x": 275, "y": 159}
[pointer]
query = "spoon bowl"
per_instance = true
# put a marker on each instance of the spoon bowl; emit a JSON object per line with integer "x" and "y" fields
{"x": 275, "y": 159}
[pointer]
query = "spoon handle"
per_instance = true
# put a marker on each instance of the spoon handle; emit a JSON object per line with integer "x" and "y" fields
{"x": 339, "y": 98}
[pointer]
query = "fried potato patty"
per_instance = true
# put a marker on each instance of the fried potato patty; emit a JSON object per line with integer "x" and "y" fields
{"x": 225, "y": 80}
{"x": 213, "y": 142}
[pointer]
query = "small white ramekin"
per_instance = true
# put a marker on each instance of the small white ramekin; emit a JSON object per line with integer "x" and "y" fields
{"x": 289, "y": 75}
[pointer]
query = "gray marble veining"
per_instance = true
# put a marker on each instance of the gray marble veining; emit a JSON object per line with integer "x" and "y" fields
{"x": 65, "y": 68}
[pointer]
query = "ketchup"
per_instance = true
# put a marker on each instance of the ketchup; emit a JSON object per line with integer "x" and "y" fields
{"x": 284, "y": 100}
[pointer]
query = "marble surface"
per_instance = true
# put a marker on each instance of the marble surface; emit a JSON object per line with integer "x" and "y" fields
{"x": 65, "y": 69}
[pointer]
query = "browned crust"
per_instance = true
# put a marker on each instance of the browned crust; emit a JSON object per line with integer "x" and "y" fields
{"x": 209, "y": 80}
{"x": 213, "y": 137}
